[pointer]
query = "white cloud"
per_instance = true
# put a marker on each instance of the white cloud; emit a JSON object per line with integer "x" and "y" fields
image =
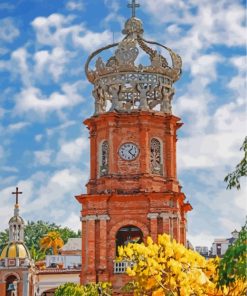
{"x": 75, "y": 5}
{"x": 43, "y": 194}
{"x": 60, "y": 128}
{"x": 230, "y": 224}
{"x": 8, "y": 30}
{"x": 43, "y": 157}
{"x": 56, "y": 29}
{"x": 238, "y": 83}
{"x": 73, "y": 221}
{"x": 53, "y": 30}
{"x": 72, "y": 152}
{"x": 209, "y": 150}
{"x": 91, "y": 40}
{"x": 1, "y": 152}
{"x": 16, "y": 127}
{"x": 201, "y": 239}
{"x": 205, "y": 66}
{"x": 19, "y": 65}
{"x": 53, "y": 63}
{"x": 38, "y": 137}
{"x": 56, "y": 190}
{"x": 8, "y": 168}
{"x": 32, "y": 100}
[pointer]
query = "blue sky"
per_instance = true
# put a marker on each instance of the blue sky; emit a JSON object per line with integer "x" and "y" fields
{"x": 44, "y": 97}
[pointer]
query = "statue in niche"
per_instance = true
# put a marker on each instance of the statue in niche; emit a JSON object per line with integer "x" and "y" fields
{"x": 96, "y": 102}
{"x": 167, "y": 95}
{"x": 114, "y": 91}
{"x": 154, "y": 96}
{"x": 143, "y": 89}
{"x": 98, "y": 94}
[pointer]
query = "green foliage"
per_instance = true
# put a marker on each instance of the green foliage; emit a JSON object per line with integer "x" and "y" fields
{"x": 34, "y": 231}
{"x": 4, "y": 238}
{"x": 233, "y": 265}
{"x": 37, "y": 255}
{"x": 232, "y": 179}
{"x": 71, "y": 289}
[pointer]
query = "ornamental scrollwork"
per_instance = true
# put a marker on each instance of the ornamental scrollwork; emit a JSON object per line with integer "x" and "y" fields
{"x": 123, "y": 85}
{"x": 156, "y": 157}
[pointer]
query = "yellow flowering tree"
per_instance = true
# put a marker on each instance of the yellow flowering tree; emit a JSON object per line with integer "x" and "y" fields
{"x": 169, "y": 269}
{"x": 52, "y": 240}
{"x": 71, "y": 289}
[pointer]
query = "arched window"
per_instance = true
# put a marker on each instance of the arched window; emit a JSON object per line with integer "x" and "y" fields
{"x": 11, "y": 285}
{"x": 128, "y": 234}
{"x": 156, "y": 157}
{"x": 104, "y": 161}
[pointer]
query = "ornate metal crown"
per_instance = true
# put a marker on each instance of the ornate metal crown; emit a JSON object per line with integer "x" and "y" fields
{"x": 121, "y": 85}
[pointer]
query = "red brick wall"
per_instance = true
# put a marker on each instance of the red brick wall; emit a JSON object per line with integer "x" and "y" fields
{"x": 129, "y": 194}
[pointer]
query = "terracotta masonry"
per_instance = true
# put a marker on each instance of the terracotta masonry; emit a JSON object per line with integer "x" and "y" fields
{"x": 133, "y": 191}
{"x": 129, "y": 194}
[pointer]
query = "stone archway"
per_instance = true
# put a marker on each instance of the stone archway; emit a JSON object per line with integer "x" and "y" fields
{"x": 11, "y": 282}
{"x": 113, "y": 231}
{"x": 128, "y": 234}
{"x": 49, "y": 292}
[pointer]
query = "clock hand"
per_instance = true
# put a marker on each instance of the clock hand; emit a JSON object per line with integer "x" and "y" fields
{"x": 130, "y": 151}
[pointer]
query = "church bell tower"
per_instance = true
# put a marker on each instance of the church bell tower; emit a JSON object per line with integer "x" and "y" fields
{"x": 133, "y": 191}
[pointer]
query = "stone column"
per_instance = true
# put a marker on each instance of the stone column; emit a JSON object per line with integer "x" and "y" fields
{"x": 26, "y": 283}
{"x": 182, "y": 232}
{"x": 175, "y": 226}
{"x": 153, "y": 225}
{"x": 171, "y": 226}
{"x": 89, "y": 241}
{"x": 178, "y": 227}
{"x": 166, "y": 222}
{"x": 83, "y": 248}
{"x": 102, "y": 268}
{"x": 93, "y": 154}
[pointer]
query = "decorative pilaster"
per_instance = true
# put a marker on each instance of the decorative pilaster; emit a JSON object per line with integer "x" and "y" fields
{"x": 102, "y": 272}
{"x": 166, "y": 222}
{"x": 89, "y": 248}
{"x": 153, "y": 225}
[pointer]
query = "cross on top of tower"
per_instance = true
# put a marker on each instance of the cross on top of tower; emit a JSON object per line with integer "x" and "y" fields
{"x": 17, "y": 192}
{"x": 133, "y": 6}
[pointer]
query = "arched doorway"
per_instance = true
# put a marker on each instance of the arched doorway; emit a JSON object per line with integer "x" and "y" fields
{"x": 49, "y": 292}
{"x": 11, "y": 285}
{"x": 128, "y": 234}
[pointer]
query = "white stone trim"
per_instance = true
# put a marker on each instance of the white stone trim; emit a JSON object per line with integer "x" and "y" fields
{"x": 152, "y": 215}
{"x": 94, "y": 217}
{"x": 103, "y": 217}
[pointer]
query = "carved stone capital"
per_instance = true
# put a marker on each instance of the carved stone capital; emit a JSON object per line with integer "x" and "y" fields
{"x": 88, "y": 217}
{"x": 152, "y": 215}
{"x": 165, "y": 215}
{"x": 103, "y": 217}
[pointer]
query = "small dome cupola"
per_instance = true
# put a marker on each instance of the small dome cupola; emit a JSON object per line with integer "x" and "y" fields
{"x": 123, "y": 83}
{"x": 16, "y": 253}
{"x": 16, "y": 223}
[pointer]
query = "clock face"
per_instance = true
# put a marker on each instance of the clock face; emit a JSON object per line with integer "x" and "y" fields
{"x": 128, "y": 151}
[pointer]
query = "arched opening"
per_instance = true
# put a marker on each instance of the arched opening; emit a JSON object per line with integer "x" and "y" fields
{"x": 104, "y": 158}
{"x": 128, "y": 234}
{"x": 11, "y": 285}
{"x": 50, "y": 292}
{"x": 156, "y": 157}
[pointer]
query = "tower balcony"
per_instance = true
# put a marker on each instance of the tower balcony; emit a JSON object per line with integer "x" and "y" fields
{"x": 121, "y": 266}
